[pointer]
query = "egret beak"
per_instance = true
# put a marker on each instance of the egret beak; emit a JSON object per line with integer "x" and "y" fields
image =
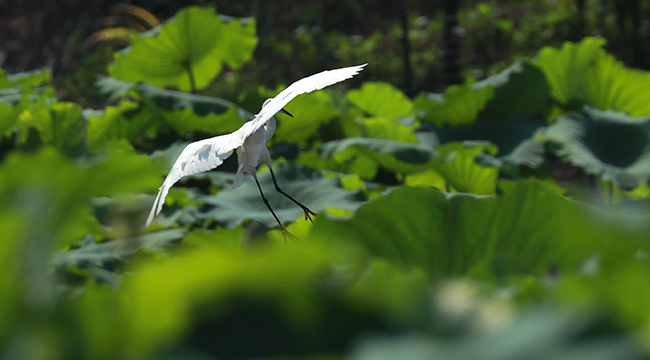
{"x": 285, "y": 112}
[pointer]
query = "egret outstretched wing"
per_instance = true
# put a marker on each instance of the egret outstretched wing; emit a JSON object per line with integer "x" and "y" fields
{"x": 302, "y": 86}
{"x": 207, "y": 154}
{"x": 197, "y": 157}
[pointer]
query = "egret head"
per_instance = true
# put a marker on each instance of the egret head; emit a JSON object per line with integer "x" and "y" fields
{"x": 267, "y": 101}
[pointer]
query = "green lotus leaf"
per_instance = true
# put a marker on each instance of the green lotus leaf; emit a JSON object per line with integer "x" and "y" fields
{"x": 58, "y": 124}
{"x": 25, "y": 80}
{"x": 541, "y": 333}
{"x": 91, "y": 254}
{"x": 10, "y": 112}
{"x": 170, "y": 100}
{"x": 565, "y": 68}
{"x": 186, "y": 121}
{"x": 518, "y": 139}
{"x": 611, "y": 85}
{"x": 128, "y": 121}
{"x": 519, "y": 90}
{"x": 459, "y": 105}
{"x": 51, "y": 194}
{"x": 399, "y": 157}
{"x": 527, "y": 229}
{"x": 309, "y": 112}
{"x": 233, "y": 207}
{"x": 113, "y": 88}
{"x": 381, "y": 99}
{"x": 457, "y": 166}
{"x": 610, "y": 145}
{"x": 301, "y": 302}
{"x": 585, "y": 73}
{"x": 389, "y": 129}
{"x": 347, "y": 162}
{"x": 184, "y": 113}
{"x": 188, "y": 51}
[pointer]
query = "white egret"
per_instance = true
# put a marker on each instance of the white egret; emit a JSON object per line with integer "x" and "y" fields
{"x": 249, "y": 141}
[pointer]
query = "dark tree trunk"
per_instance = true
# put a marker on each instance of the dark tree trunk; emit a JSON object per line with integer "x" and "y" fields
{"x": 406, "y": 58}
{"x": 451, "y": 63}
{"x": 627, "y": 20}
{"x": 580, "y": 26}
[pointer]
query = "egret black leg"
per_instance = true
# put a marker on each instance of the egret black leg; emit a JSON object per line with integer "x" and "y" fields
{"x": 285, "y": 232}
{"x": 308, "y": 212}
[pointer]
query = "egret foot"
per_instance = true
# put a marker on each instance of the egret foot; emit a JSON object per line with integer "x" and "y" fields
{"x": 308, "y": 214}
{"x": 286, "y": 234}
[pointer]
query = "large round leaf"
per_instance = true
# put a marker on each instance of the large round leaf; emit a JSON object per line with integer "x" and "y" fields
{"x": 526, "y": 229}
{"x": 188, "y": 51}
{"x": 607, "y": 144}
{"x": 586, "y": 73}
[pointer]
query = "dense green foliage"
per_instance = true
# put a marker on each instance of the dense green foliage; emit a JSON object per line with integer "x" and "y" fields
{"x": 444, "y": 231}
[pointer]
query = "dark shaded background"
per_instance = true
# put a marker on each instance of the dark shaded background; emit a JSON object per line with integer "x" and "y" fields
{"x": 447, "y": 41}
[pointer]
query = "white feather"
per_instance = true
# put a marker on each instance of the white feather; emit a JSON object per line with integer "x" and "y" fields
{"x": 209, "y": 153}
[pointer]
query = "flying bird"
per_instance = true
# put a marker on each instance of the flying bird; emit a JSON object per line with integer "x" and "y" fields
{"x": 250, "y": 143}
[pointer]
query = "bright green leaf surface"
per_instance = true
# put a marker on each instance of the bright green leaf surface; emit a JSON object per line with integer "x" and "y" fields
{"x": 585, "y": 72}
{"x": 458, "y": 167}
{"x": 188, "y": 51}
{"x": 309, "y": 112}
{"x": 459, "y": 105}
{"x": 381, "y": 99}
{"x": 566, "y": 68}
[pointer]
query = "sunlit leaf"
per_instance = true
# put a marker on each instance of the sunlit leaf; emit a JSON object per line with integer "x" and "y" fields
{"x": 459, "y": 105}
{"x": 382, "y": 100}
{"x": 309, "y": 112}
{"x": 585, "y": 73}
{"x": 390, "y": 129}
{"x": 187, "y": 52}
{"x": 458, "y": 167}
{"x": 566, "y": 68}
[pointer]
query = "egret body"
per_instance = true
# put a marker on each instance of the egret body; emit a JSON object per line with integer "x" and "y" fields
{"x": 249, "y": 141}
